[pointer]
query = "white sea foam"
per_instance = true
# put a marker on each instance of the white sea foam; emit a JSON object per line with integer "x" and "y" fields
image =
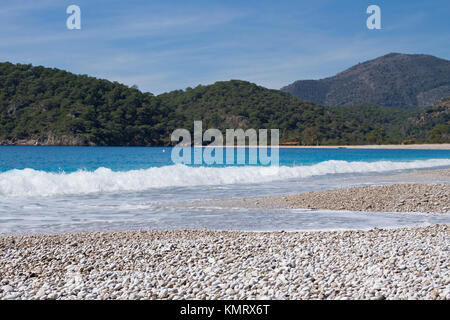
{"x": 29, "y": 182}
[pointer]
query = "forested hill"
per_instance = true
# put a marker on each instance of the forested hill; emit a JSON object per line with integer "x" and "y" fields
{"x": 52, "y": 107}
{"x": 407, "y": 81}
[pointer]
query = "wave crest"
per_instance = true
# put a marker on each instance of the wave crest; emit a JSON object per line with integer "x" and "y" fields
{"x": 30, "y": 182}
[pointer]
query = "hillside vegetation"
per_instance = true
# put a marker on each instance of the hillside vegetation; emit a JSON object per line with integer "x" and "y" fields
{"x": 53, "y": 107}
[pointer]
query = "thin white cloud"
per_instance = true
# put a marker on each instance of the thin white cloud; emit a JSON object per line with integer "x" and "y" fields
{"x": 117, "y": 28}
{"x": 14, "y": 8}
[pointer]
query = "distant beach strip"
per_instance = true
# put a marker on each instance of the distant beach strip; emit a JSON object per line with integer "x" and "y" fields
{"x": 443, "y": 146}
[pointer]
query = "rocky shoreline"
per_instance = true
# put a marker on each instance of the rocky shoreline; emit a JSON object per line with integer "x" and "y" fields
{"x": 376, "y": 264}
{"x": 425, "y": 198}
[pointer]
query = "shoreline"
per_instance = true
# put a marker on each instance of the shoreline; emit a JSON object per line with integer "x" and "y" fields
{"x": 442, "y": 146}
{"x": 431, "y": 196}
{"x": 402, "y": 198}
{"x": 414, "y": 198}
{"x": 397, "y": 263}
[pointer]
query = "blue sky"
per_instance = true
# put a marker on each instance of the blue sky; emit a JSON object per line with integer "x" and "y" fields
{"x": 168, "y": 45}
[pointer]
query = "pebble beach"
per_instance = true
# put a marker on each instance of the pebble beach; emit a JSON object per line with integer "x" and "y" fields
{"x": 376, "y": 264}
{"x": 428, "y": 198}
{"x": 428, "y": 192}
{"x": 425, "y": 198}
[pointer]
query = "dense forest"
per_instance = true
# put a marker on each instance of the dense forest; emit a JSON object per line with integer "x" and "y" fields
{"x": 53, "y": 107}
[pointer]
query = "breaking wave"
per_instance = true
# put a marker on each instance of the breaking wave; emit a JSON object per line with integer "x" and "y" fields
{"x": 30, "y": 182}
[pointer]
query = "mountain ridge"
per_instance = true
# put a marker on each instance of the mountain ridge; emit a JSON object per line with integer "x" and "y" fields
{"x": 408, "y": 81}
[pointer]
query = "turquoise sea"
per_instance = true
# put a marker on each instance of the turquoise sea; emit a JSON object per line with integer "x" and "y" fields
{"x": 61, "y": 189}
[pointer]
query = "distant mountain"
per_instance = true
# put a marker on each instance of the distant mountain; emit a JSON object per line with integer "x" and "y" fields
{"x": 43, "y": 106}
{"x": 405, "y": 81}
